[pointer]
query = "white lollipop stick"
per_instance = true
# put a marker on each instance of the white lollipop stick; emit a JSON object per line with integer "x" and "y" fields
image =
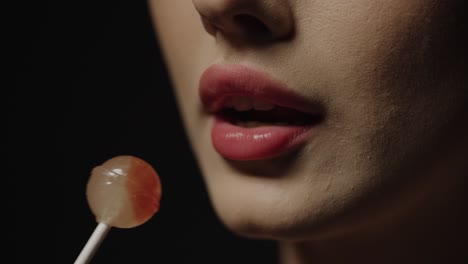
{"x": 93, "y": 243}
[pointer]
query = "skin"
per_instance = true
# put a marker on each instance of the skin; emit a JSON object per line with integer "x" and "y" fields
{"x": 383, "y": 179}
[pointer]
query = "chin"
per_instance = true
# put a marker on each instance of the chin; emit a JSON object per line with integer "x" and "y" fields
{"x": 263, "y": 209}
{"x": 259, "y": 221}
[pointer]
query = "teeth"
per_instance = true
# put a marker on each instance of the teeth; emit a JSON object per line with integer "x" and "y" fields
{"x": 249, "y": 124}
{"x": 246, "y": 104}
{"x": 242, "y": 103}
{"x": 262, "y": 105}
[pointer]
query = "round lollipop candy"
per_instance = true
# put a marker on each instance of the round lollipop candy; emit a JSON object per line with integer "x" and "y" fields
{"x": 123, "y": 192}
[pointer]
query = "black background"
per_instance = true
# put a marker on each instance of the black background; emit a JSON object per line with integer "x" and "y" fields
{"x": 90, "y": 84}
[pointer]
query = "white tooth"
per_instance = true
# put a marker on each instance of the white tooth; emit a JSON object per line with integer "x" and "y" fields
{"x": 262, "y": 105}
{"x": 242, "y": 103}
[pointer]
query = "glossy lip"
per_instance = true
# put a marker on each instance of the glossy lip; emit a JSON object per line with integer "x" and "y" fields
{"x": 221, "y": 82}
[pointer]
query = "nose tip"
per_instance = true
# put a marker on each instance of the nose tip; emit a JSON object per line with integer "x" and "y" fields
{"x": 250, "y": 19}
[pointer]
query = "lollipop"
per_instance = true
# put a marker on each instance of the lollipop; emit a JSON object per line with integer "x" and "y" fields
{"x": 123, "y": 192}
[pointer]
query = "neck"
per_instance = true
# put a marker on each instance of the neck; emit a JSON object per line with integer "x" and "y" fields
{"x": 433, "y": 229}
{"x": 434, "y": 238}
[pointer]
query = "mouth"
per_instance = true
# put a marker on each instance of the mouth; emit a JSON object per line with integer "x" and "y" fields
{"x": 250, "y": 113}
{"x": 255, "y": 117}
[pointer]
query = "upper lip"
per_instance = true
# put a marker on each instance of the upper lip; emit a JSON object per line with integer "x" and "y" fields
{"x": 220, "y": 82}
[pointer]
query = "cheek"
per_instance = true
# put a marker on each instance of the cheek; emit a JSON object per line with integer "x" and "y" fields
{"x": 387, "y": 94}
{"x": 377, "y": 59}
{"x": 363, "y": 39}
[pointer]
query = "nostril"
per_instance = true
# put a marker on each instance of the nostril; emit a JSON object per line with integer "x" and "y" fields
{"x": 259, "y": 22}
{"x": 209, "y": 27}
{"x": 252, "y": 26}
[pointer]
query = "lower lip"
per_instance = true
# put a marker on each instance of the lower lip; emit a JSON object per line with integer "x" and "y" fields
{"x": 240, "y": 143}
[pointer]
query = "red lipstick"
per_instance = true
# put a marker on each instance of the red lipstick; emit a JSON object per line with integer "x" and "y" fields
{"x": 255, "y": 116}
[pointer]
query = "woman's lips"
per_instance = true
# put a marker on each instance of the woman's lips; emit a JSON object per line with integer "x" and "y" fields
{"x": 244, "y": 90}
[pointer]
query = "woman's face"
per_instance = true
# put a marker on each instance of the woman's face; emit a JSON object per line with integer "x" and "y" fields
{"x": 306, "y": 114}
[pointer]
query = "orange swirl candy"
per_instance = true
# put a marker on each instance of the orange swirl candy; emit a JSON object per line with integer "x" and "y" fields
{"x": 124, "y": 192}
